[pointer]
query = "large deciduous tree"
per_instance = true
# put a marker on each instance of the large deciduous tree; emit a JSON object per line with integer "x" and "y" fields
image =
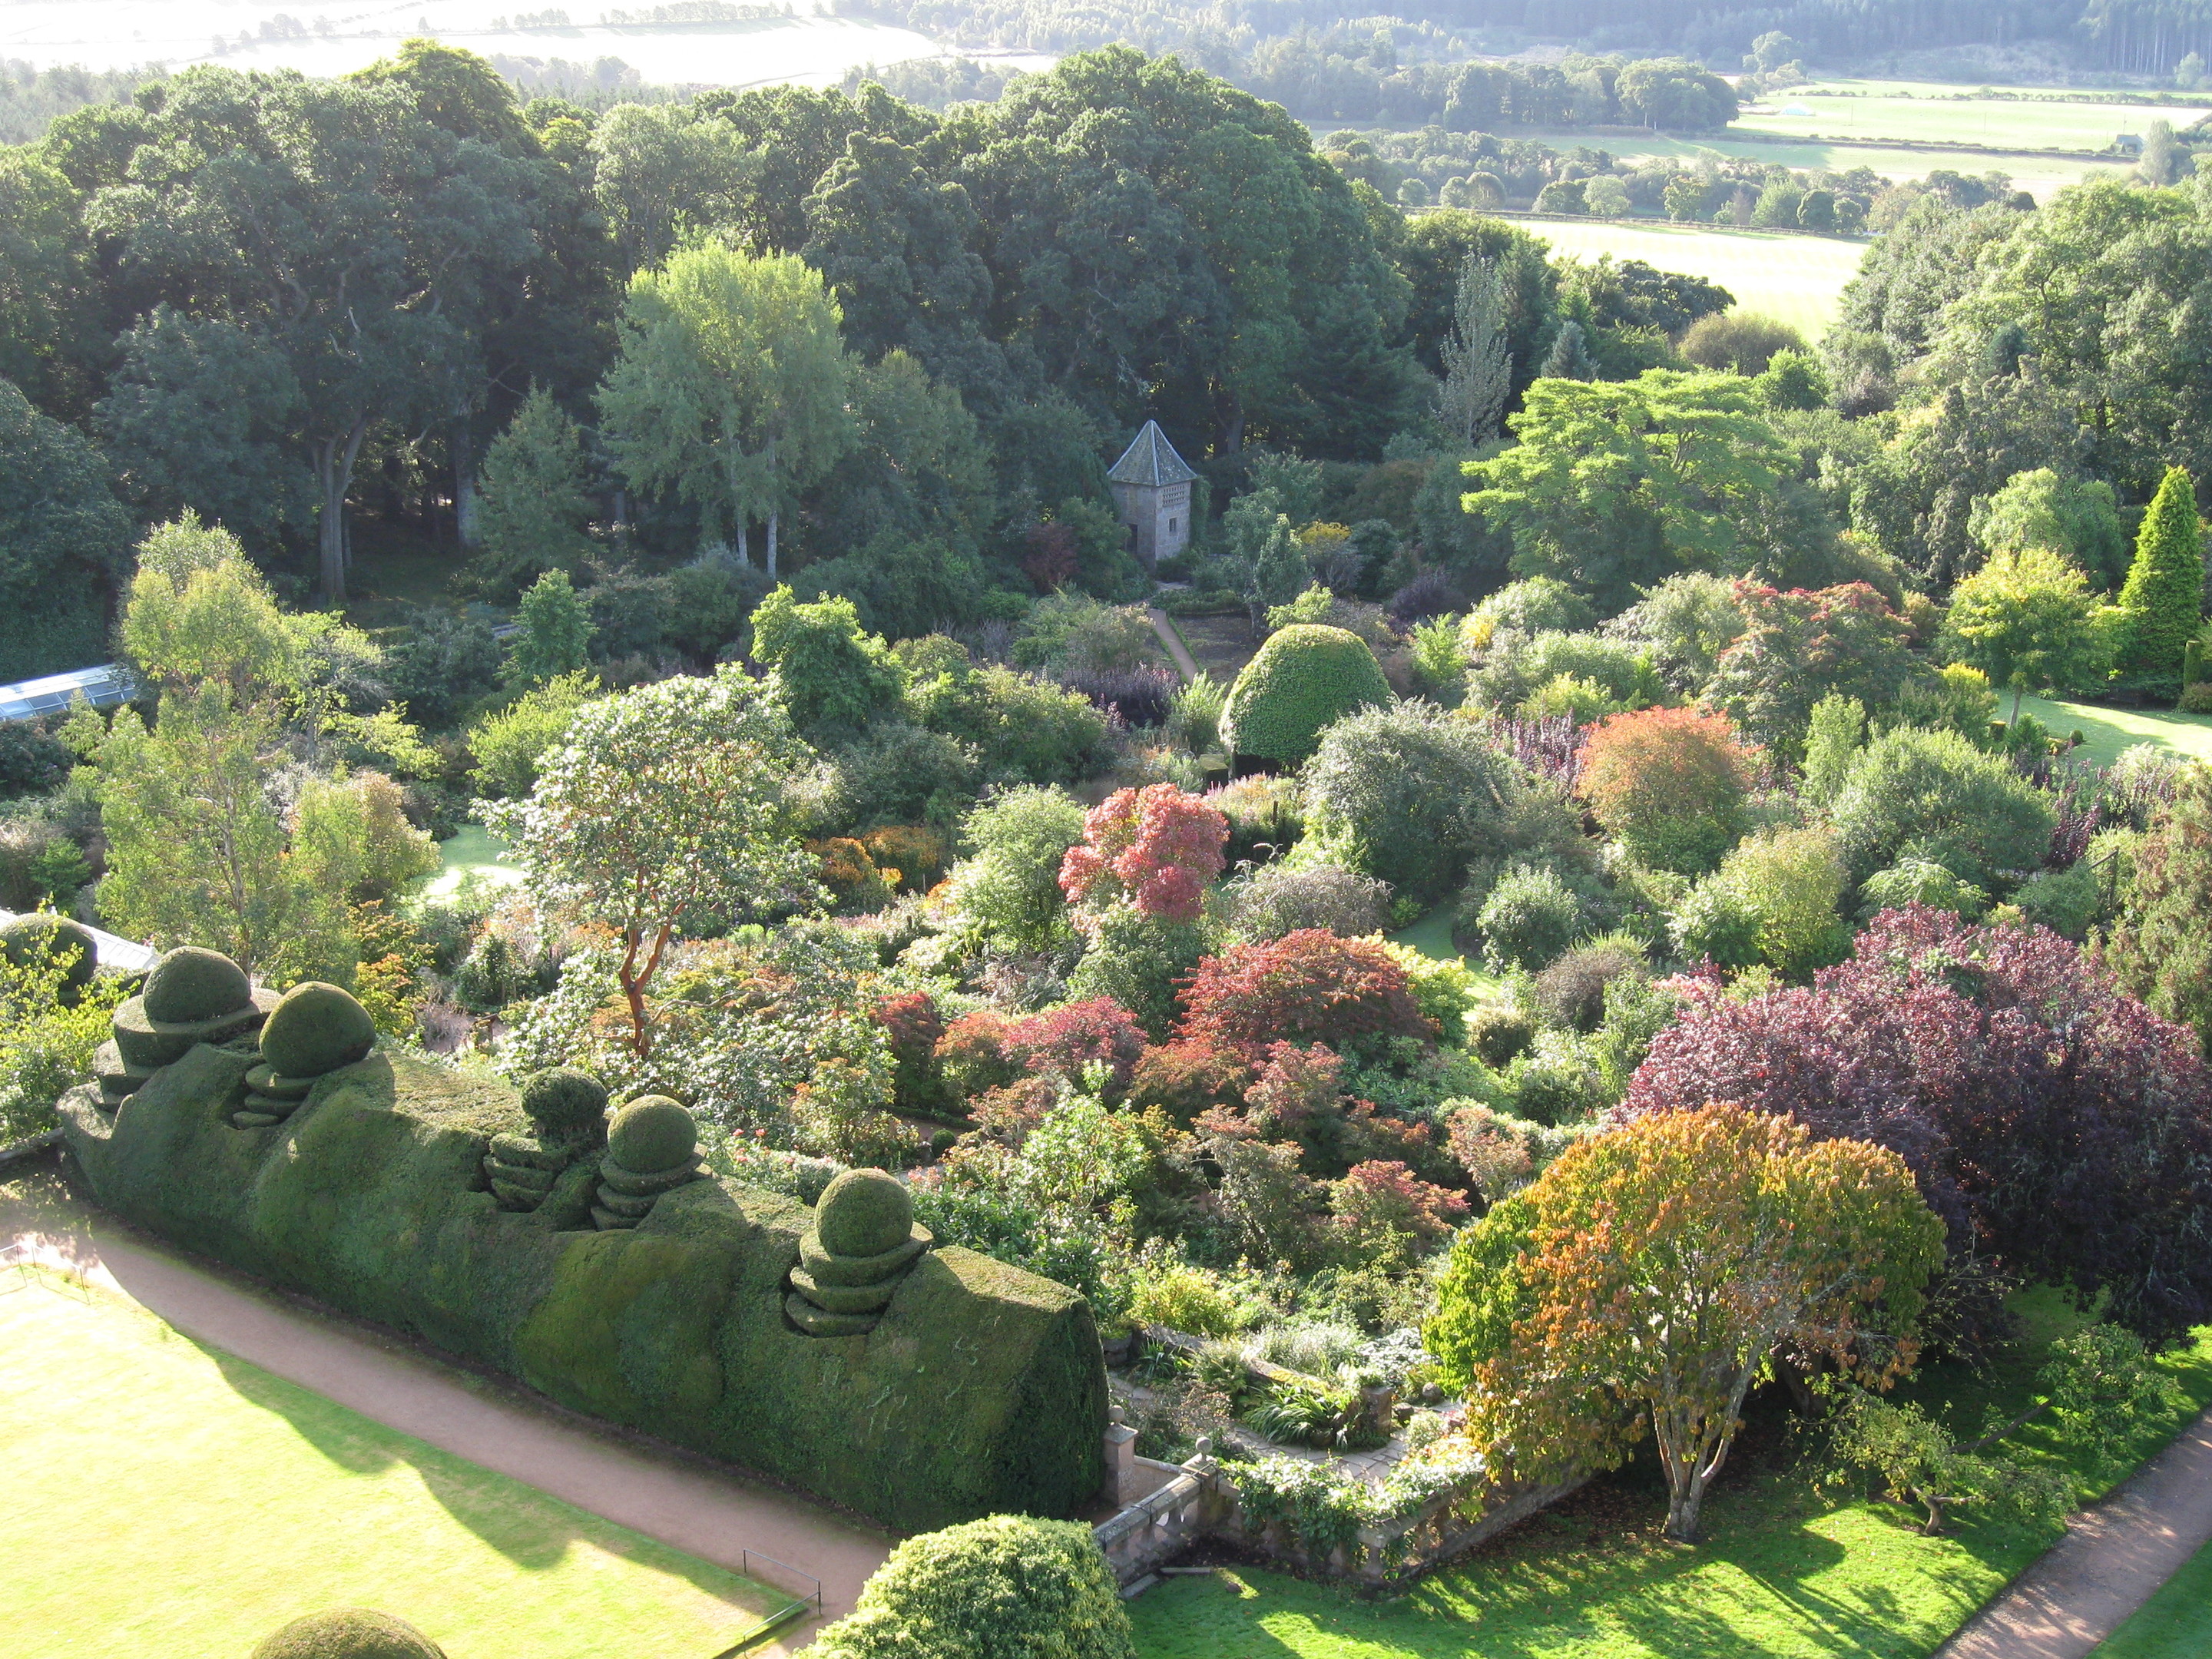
{"x": 64, "y": 541}
{"x": 348, "y": 243}
{"x": 730, "y": 390}
{"x": 1648, "y": 1275}
{"x": 667, "y": 809}
{"x": 2029, "y": 622}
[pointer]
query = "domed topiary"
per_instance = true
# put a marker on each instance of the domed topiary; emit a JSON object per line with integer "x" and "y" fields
{"x": 44, "y": 937}
{"x": 349, "y": 1633}
{"x": 863, "y": 1212}
{"x": 190, "y": 984}
{"x": 1305, "y": 678}
{"x": 316, "y": 1028}
{"x": 561, "y": 1100}
{"x": 652, "y": 1134}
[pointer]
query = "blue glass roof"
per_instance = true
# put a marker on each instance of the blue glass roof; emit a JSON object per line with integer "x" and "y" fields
{"x": 106, "y": 687}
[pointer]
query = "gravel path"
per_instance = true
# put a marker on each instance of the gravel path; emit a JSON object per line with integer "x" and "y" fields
{"x": 687, "y": 1504}
{"x": 1185, "y": 665}
{"x": 2115, "y": 1554}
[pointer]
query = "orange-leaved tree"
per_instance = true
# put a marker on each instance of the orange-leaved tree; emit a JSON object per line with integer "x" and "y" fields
{"x": 1650, "y": 1274}
{"x": 1668, "y": 784}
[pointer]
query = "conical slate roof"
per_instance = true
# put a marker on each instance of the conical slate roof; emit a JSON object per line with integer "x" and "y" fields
{"x": 1151, "y": 461}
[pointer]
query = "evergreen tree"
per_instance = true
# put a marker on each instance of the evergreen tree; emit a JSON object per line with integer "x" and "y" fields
{"x": 1570, "y": 358}
{"x": 534, "y": 503}
{"x": 556, "y": 627}
{"x": 2164, "y": 598}
{"x": 1478, "y": 357}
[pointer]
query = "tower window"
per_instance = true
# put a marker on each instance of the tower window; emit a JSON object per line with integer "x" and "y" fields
{"x": 1172, "y": 527}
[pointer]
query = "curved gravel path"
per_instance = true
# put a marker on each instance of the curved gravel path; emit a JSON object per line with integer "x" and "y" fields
{"x": 2115, "y": 1555}
{"x": 684, "y": 1502}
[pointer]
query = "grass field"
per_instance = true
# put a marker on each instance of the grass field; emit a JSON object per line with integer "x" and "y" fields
{"x": 167, "y": 1498}
{"x": 2174, "y": 1624}
{"x": 1797, "y": 279}
{"x": 1881, "y": 109}
{"x": 1780, "y": 1574}
{"x": 2042, "y": 179}
{"x": 475, "y": 851}
{"x": 2106, "y": 731}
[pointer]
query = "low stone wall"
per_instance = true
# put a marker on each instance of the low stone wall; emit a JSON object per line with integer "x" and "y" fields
{"x": 1155, "y": 1527}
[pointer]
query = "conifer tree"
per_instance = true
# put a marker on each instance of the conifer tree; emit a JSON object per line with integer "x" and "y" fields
{"x": 535, "y": 502}
{"x": 2164, "y": 597}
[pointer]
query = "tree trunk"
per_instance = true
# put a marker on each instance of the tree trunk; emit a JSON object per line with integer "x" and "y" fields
{"x": 465, "y": 487}
{"x": 634, "y": 979}
{"x": 334, "y": 461}
{"x": 771, "y": 544}
{"x": 744, "y": 553}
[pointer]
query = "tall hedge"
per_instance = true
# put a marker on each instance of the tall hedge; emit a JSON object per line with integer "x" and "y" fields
{"x": 2164, "y": 597}
{"x": 1305, "y": 678}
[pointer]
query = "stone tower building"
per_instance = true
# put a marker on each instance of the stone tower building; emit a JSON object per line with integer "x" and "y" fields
{"x": 1152, "y": 490}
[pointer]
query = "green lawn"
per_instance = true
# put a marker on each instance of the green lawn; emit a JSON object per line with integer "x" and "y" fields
{"x": 2174, "y": 1624}
{"x": 167, "y": 1498}
{"x": 1798, "y": 279}
{"x": 1779, "y": 1575}
{"x": 1875, "y": 109}
{"x": 474, "y": 852}
{"x": 2106, "y": 731}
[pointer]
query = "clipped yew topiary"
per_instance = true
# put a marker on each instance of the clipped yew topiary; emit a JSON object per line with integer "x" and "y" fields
{"x": 563, "y": 1102}
{"x": 349, "y": 1633}
{"x": 1304, "y": 678}
{"x": 316, "y": 1028}
{"x": 1006, "y": 1587}
{"x": 192, "y": 983}
{"x": 2164, "y": 595}
{"x": 652, "y": 1134}
{"x": 863, "y": 1212}
{"x": 45, "y": 940}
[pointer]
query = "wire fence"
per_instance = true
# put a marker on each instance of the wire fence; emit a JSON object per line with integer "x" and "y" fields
{"x": 801, "y": 1605}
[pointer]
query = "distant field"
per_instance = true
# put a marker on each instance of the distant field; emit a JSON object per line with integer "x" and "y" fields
{"x": 1795, "y": 278}
{"x": 1879, "y": 109}
{"x": 2041, "y": 179}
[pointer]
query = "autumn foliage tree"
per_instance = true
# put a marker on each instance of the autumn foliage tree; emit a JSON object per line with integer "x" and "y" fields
{"x": 1732, "y": 1232}
{"x": 1668, "y": 784}
{"x": 1799, "y": 647}
{"x": 1156, "y": 847}
{"x": 2057, "y": 1125}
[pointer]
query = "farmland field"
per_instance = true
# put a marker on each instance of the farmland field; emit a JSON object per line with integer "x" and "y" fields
{"x": 2041, "y": 179}
{"x": 1795, "y": 278}
{"x": 169, "y": 1498}
{"x": 1888, "y": 109}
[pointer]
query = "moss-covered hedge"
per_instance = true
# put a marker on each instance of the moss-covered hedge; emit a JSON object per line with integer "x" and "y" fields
{"x": 1305, "y": 677}
{"x": 349, "y": 1633}
{"x": 981, "y": 1390}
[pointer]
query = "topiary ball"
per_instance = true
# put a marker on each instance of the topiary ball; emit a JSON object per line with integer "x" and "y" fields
{"x": 190, "y": 984}
{"x": 315, "y": 1028}
{"x": 349, "y": 1633}
{"x": 44, "y": 937}
{"x": 863, "y": 1212}
{"x": 1304, "y": 678}
{"x": 652, "y": 1134}
{"x": 561, "y": 1100}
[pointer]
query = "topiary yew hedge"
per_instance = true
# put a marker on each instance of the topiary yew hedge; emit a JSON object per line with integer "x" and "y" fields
{"x": 1304, "y": 678}
{"x": 980, "y": 1391}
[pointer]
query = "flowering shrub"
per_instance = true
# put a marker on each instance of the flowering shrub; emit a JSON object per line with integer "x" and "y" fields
{"x": 1306, "y": 987}
{"x": 1668, "y": 784}
{"x": 1156, "y": 847}
{"x": 2062, "y": 1123}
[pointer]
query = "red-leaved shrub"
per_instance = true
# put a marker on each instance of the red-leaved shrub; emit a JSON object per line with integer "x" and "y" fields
{"x": 1384, "y": 1208}
{"x": 1668, "y": 784}
{"x": 1188, "y": 1075}
{"x": 1157, "y": 846}
{"x": 1304, "y": 987}
{"x": 1061, "y": 1041}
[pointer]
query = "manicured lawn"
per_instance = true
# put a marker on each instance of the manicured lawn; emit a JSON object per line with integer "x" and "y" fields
{"x": 474, "y": 851}
{"x": 2106, "y": 731}
{"x": 1798, "y": 279}
{"x": 166, "y": 1499}
{"x": 2174, "y": 1624}
{"x": 1875, "y": 109}
{"x": 1780, "y": 1572}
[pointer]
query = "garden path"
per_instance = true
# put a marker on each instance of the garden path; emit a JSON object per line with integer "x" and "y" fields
{"x": 1185, "y": 664}
{"x": 685, "y": 1504}
{"x": 2115, "y": 1554}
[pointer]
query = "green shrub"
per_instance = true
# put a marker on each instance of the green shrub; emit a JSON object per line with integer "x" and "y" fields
{"x": 1793, "y": 878}
{"x": 1714, "y": 922}
{"x": 1304, "y": 678}
{"x": 349, "y": 1633}
{"x": 1529, "y": 919}
{"x": 1138, "y": 961}
{"x": 1010, "y": 887}
{"x": 45, "y": 939}
{"x": 832, "y": 676}
{"x": 1920, "y": 881}
{"x": 1535, "y": 606}
{"x": 2065, "y": 901}
{"x": 1500, "y": 1036}
{"x": 1970, "y": 811}
{"x": 863, "y": 1212}
{"x": 509, "y": 743}
{"x": 1407, "y": 794}
{"x": 1003, "y": 1588}
{"x": 1571, "y": 992}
